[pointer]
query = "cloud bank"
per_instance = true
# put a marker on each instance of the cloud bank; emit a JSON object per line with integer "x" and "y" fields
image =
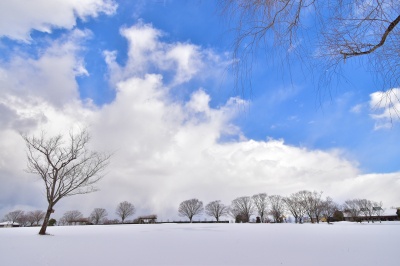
{"x": 18, "y": 18}
{"x": 166, "y": 150}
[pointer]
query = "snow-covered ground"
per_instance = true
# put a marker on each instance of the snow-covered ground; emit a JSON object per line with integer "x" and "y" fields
{"x": 204, "y": 244}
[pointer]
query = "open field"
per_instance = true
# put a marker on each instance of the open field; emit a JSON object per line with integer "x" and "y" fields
{"x": 204, "y": 244}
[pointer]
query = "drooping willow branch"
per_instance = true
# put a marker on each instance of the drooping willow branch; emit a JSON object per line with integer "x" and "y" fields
{"x": 389, "y": 29}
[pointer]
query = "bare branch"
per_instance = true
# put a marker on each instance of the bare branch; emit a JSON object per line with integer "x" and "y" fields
{"x": 370, "y": 47}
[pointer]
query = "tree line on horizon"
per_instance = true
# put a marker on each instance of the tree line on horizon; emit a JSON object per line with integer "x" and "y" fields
{"x": 303, "y": 206}
{"x": 97, "y": 216}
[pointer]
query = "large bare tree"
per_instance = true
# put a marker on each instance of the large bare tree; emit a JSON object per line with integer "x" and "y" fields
{"x": 23, "y": 220}
{"x": 316, "y": 203}
{"x": 190, "y": 208}
{"x": 312, "y": 203}
{"x": 261, "y": 203}
{"x": 277, "y": 208}
{"x": 71, "y": 217}
{"x": 367, "y": 208}
{"x": 98, "y": 215}
{"x": 36, "y": 216}
{"x": 295, "y": 207}
{"x": 244, "y": 207}
{"x": 328, "y": 208}
{"x": 327, "y": 32}
{"x": 124, "y": 210}
{"x": 216, "y": 209}
{"x": 352, "y": 207}
{"x": 67, "y": 167}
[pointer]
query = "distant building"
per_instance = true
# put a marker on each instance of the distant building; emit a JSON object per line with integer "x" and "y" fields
{"x": 148, "y": 219}
{"x": 8, "y": 224}
{"x": 378, "y": 215}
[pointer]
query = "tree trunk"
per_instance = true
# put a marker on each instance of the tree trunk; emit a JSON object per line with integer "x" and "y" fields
{"x": 46, "y": 220}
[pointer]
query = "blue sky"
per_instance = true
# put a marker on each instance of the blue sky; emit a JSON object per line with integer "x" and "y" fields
{"x": 288, "y": 106}
{"x": 83, "y": 68}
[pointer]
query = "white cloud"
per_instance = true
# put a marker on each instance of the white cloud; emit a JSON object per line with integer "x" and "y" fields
{"x": 18, "y": 17}
{"x": 31, "y": 87}
{"x": 386, "y": 107}
{"x": 165, "y": 151}
{"x": 357, "y": 108}
{"x": 146, "y": 52}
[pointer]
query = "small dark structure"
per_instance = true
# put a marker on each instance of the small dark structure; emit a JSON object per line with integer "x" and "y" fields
{"x": 147, "y": 219}
{"x": 80, "y": 221}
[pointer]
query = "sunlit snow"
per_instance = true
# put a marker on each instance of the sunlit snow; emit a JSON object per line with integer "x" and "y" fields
{"x": 204, "y": 244}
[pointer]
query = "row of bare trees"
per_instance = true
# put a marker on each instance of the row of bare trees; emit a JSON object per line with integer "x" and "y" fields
{"x": 98, "y": 216}
{"x": 124, "y": 210}
{"x": 301, "y": 205}
{"x": 30, "y": 218}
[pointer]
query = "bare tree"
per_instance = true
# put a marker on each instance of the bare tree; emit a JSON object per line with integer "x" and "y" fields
{"x": 304, "y": 199}
{"x": 295, "y": 206}
{"x": 190, "y": 208}
{"x": 216, "y": 209}
{"x": 353, "y": 208}
{"x": 316, "y": 204}
{"x": 261, "y": 204}
{"x": 124, "y": 210}
{"x": 238, "y": 215}
{"x": 328, "y": 208}
{"x": 98, "y": 215}
{"x": 243, "y": 206}
{"x": 366, "y": 208}
{"x": 277, "y": 208}
{"x": 71, "y": 217}
{"x": 341, "y": 30}
{"x": 13, "y": 216}
{"x": 66, "y": 168}
{"x": 30, "y": 219}
{"x": 312, "y": 203}
{"x": 36, "y": 217}
{"x": 23, "y": 219}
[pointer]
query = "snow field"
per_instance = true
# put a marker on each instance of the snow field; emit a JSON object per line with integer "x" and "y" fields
{"x": 204, "y": 244}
